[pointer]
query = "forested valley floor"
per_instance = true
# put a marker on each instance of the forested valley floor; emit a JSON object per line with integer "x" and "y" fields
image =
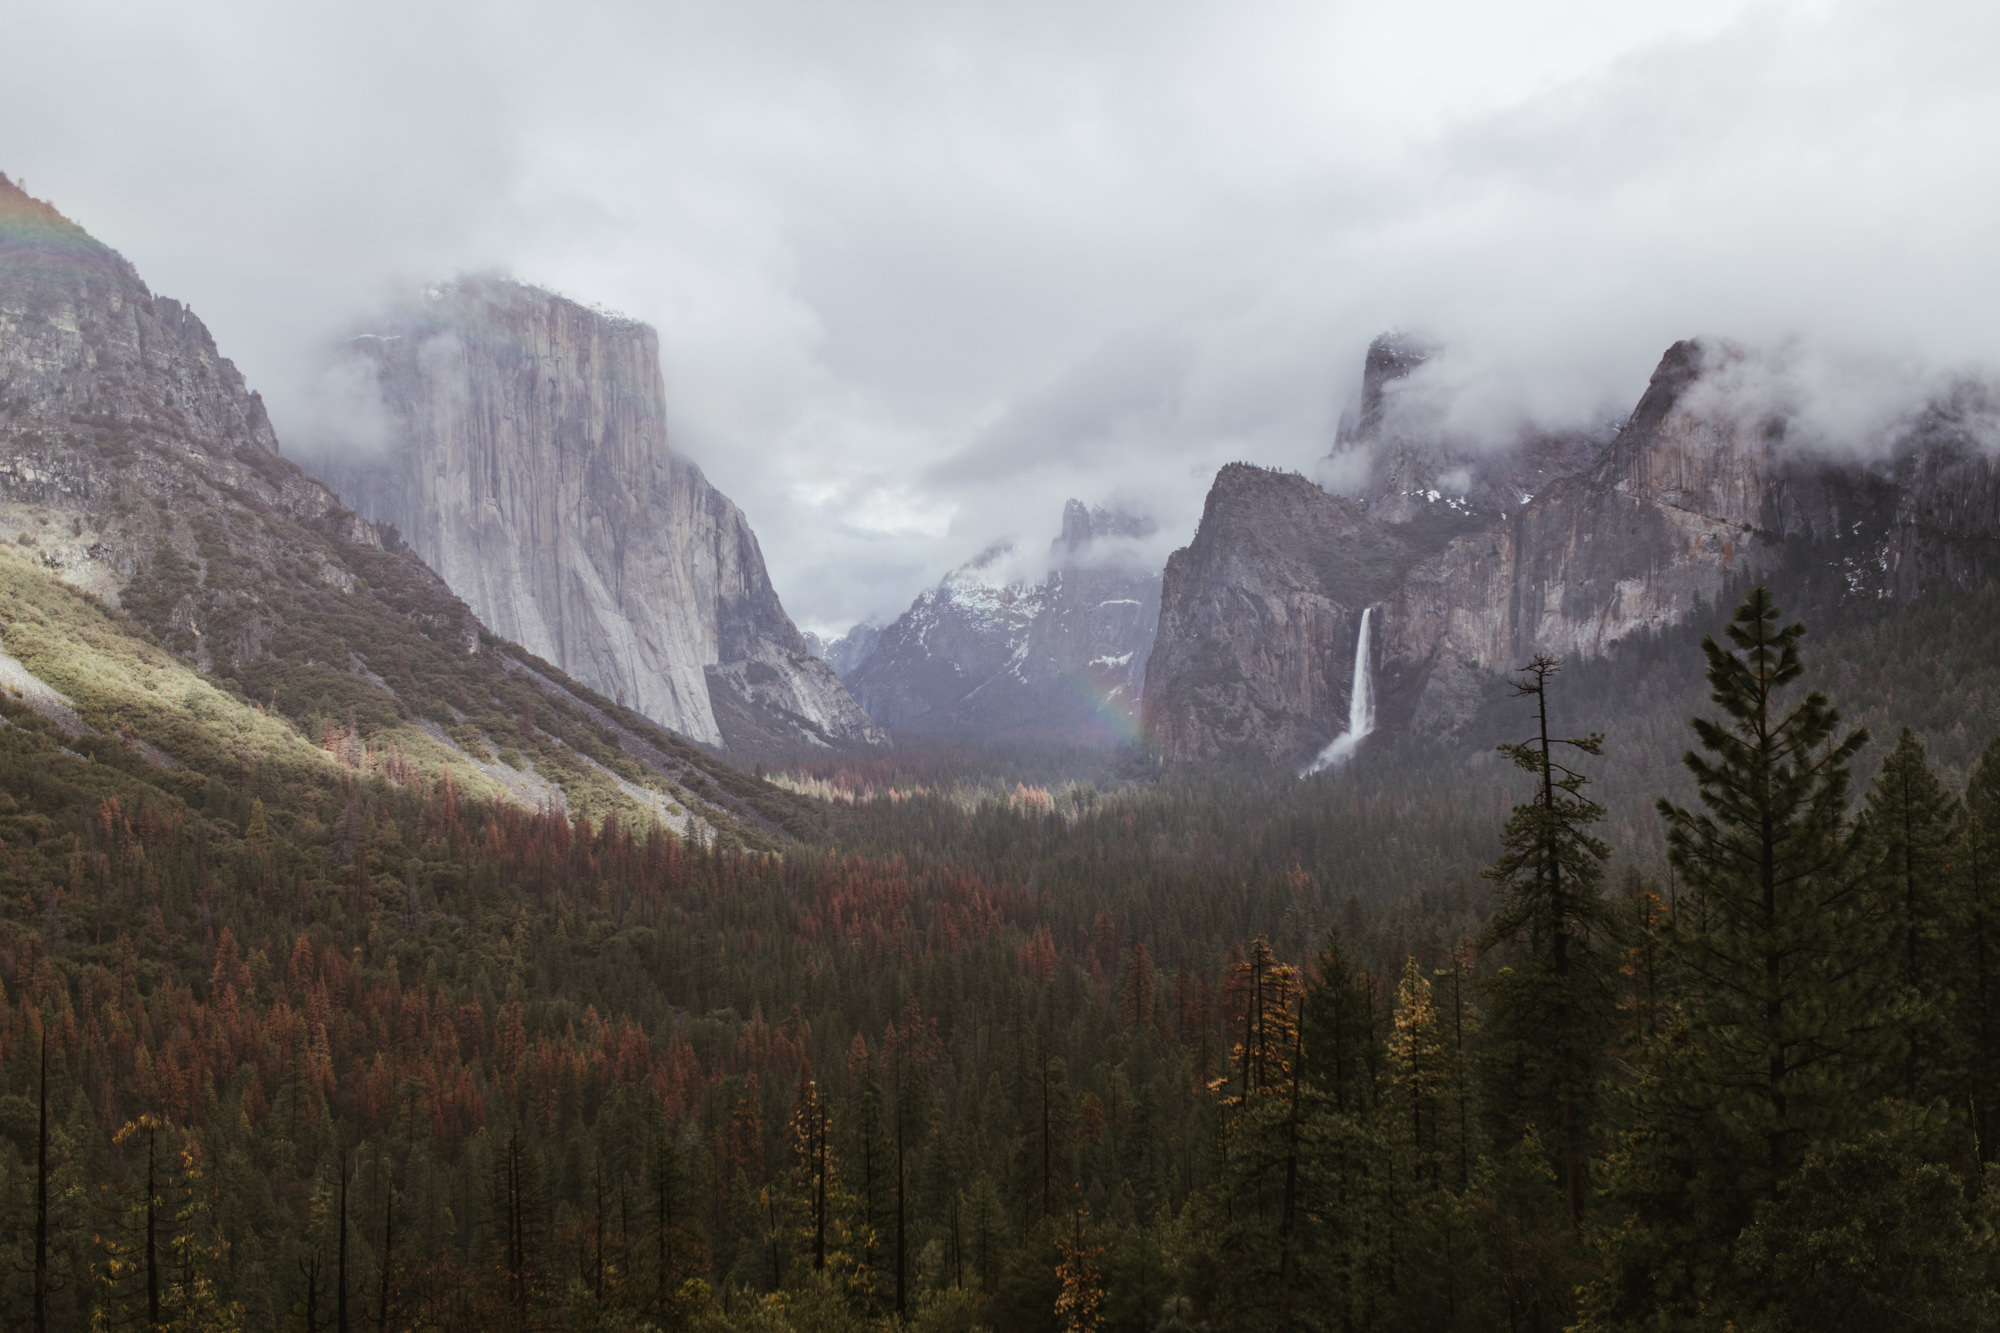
{"x": 1451, "y": 1039}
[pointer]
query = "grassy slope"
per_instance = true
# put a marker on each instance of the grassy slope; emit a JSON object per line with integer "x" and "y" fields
{"x": 299, "y": 722}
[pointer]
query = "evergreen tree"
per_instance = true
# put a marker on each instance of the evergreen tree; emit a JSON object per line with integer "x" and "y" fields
{"x": 1261, "y": 989}
{"x": 1519, "y": 1212}
{"x": 1343, "y": 1058}
{"x": 1780, "y": 957}
{"x": 164, "y": 1271}
{"x": 1079, "y": 1305}
{"x": 1552, "y": 913}
{"x": 815, "y": 1183}
{"x": 871, "y": 1156}
{"x": 1347, "y": 1234}
{"x": 1976, "y": 949}
{"x": 1256, "y": 1222}
{"x": 1868, "y": 1235}
{"x": 133, "y": 1275}
{"x": 1911, "y": 819}
{"x": 518, "y": 1239}
{"x": 1420, "y": 1070}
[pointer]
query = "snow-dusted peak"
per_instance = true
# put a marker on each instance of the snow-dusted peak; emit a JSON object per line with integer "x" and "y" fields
{"x": 1005, "y": 645}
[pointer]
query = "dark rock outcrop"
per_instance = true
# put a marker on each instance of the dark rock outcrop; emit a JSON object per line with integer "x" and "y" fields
{"x": 1258, "y": 618}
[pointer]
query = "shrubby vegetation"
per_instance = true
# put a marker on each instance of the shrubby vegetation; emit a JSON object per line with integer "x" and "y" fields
{"x": 291, "y": 1041}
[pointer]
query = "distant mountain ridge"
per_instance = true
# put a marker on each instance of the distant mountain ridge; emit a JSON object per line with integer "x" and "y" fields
{"x": 848, "y": 651}
{"x": 990, "y": 654}
{"x": 527, "y": 462}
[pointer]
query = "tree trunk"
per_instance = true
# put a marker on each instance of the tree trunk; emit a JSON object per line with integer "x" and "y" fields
{"x": 1046, "y": 1148}
{"x": 153, "y": 1233}
{"x": 1288, "y": 1219}
{"x": 902, "y": 1254}
{"x": 42, "y": 1196}
{"x": 388, "y": 1257}
{"x": 819, "y": 1193}
{"x": 1572, "y": 1147}
{"x": 340, "y": 1291}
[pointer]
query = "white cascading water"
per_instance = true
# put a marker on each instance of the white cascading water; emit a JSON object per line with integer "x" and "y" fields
{"x": 1360, "y": 709}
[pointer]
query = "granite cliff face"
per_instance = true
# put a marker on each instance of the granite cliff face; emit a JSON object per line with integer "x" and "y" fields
{"x": 526, "y": 460}
{"x": 1259, "y": 616}
{"x": 137, "y": 466}
{"x": 990, "y": 654}
{"x": 1602, "y": 538}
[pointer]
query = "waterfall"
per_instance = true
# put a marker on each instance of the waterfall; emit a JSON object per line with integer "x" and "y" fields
{"x": 1360, "y": 708}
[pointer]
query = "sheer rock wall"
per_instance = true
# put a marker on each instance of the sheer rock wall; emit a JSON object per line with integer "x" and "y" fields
{"x": 1602, "y": 539}
{"x": 527, "y": 462}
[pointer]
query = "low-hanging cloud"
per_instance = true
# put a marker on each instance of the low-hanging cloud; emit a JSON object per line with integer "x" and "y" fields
{"x": 1839, "y": 404}
{"x": 1127, "y": 389}
{"x": 921, "y": 273}
{"x": 338, "y": 408}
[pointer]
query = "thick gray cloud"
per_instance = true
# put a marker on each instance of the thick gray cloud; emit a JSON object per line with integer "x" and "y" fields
{"x": 921, "y": 271}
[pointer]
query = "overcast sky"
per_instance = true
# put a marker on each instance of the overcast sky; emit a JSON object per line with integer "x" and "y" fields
{"x": 922, "y": 269}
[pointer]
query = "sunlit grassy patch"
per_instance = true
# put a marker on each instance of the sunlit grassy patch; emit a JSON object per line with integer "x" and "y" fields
{"x": 131, "y": 689}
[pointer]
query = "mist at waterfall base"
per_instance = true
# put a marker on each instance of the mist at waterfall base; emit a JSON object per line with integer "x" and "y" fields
{"x": 1360, "y": 710}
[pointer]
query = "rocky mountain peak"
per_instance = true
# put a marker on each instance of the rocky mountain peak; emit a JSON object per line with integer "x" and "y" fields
{"x": 848, "y": 651}
{"x": 112, "y": 399}
{"x": 991, "y": 653}
{"x": 1422, "y": 474}
{"x": 82, "y": 330}
{"x": 1391, "y": 356}
{"x": 1076, "y": 529}
{"x": 26, "y": 220}
{"x": 1084, "y": 525}
{"x": 1553, "y": 543}
{"x": 1680, "y": 367}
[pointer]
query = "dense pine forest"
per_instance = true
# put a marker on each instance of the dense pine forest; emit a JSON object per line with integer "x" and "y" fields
{"x": 1567, "y": 1033}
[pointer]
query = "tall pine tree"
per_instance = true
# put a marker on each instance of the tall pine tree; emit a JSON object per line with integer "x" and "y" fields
{"x": 1553, "y": 914}
{"x": 1911, "y": 819}
{"x": 1779, "y": 954}
{"x": 1784, "y": 964}
{"x": 1976, "y": 947}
